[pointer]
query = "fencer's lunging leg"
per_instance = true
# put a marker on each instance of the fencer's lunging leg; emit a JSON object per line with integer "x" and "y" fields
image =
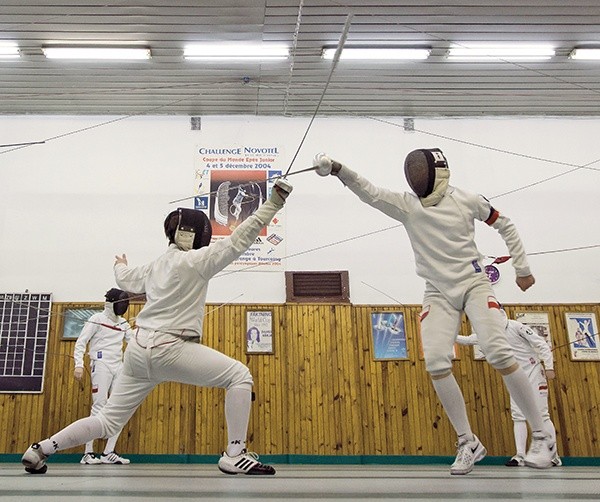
{"x": 79, "y": 432}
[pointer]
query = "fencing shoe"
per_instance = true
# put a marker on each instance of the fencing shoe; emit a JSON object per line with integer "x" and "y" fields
{"x": 467, "y": 453}
{"x": 34, "y": 460}
{"x": 244, "y": 463}
{"x": 90, "y": 458}
{"x": 113, "y": 458}
{"x": 541, "y": 451}
{"x": 516, "y": 461}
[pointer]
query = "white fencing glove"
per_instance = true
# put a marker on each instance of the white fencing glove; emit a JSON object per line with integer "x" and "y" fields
{"x": 280, "y": 192}
{"x": 325, "y": 166}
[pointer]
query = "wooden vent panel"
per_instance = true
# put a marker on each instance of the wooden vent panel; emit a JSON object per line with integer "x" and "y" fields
{"x": 310, "y": 287}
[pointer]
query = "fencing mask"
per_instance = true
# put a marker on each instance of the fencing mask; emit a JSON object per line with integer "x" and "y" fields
{"x": 188, "y": 228}
{"x": 119, "y": 300}
{"x": 425, "y": 170}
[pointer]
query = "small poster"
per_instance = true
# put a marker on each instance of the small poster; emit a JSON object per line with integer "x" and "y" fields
{"x": 74, "y": 320}
{"x": 259, "y": 332}
{"x": 538, "y": 322}
{"x": 583, "y": 336}
{"x": 389, "y": 335}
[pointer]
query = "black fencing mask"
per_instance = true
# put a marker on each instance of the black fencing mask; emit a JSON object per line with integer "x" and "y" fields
{"x": 119, "y": 300}
{"x": 188, "y": 229}
{"x": 419, "y": 169}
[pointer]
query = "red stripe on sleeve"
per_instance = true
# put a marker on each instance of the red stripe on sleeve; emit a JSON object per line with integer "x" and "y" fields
{"x": 493, "y": 217}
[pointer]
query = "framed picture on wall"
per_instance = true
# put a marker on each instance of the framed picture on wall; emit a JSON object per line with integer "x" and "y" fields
{"x": 388, "y": 335}
{"x": 538, "y": 322}
{"x": 259, "y": 332}
{"x": 583, "y": 336}
{"x": 73, "y": 320}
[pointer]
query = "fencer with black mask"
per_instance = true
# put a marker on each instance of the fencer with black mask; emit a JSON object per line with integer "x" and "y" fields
{"x": 166, "y": 344}
{"x": 440, "y": 222}
{"x": 103, "y": 337}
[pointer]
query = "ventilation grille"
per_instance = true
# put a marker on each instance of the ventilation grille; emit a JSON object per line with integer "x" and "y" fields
{"x": 311, "y": 287}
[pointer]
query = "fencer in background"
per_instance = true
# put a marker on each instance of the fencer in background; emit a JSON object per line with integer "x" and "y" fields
{"x": 530, "y": 349}
{"x": 166, "y": 344}
{"x": 103, "y": 337}
{"x": 440, "y": 222}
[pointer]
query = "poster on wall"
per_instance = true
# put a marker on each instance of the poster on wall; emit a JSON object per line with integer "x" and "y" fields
{"x": 231, "y": 182}
{"x": 583, "y": 336}
{"x": 259, "y": 332}
{"x": 389, "y": 336}
{"x": 538, "y": 322}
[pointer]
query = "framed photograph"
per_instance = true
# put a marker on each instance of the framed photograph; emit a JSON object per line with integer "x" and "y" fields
{"x": 389, "y": 336}
{"x": 583, "y": 336}
{"x": 259, "y": 332}
{"x": 73, "y": 319}
{"x": 538, "y": 322}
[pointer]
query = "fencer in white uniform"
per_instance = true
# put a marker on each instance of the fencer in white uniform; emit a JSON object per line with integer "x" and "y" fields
{"x": 165, "y": 346}
{"x": 530, "y": 350}
{"x": 440, "y": 222}
{"x": 103, "y": 335}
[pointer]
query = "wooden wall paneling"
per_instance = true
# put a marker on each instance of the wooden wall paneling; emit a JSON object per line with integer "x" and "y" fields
{"x": 324, "y": 368}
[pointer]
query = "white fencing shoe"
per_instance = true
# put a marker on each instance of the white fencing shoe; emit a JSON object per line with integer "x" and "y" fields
{"x": 34, "y": 460}
{"x": 113, "y": 458}
{"x": 244, "y": 463}
{"x": 90, "y": 459}
{"x": 467, "y": 454}
{"x": 541, "y": 451}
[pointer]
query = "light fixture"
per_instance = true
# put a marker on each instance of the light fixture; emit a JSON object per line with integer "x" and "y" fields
{"x": 379, "y": 53}
{"x": 494, "y": 52}
{"x": 95, "y": 52}
{"x": 589, "y": 53}
{"x": 9, "y": 51}
{"x": 235, "y": 52}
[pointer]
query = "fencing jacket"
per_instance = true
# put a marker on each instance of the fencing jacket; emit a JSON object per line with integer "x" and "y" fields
{"x": 176, "y": 283}
{"x": 443, "y": 236}
{"x": 529, "y": 348}
{"x": 105, "y": 332}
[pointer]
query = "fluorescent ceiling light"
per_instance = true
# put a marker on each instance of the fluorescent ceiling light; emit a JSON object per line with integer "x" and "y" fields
{"x": 96, "y": 52}
{"x": 582, "y": 53}
{"x": 9, "y": 51}
{"x": 489, "y": 52}
{"x": 378, "y": 53}
{"x": 240, "y": 52}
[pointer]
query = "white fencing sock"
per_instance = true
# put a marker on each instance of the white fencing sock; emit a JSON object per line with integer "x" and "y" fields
{"x": 521, "y": 391}
{"x": 453, "y": 402}
{"x": 520, "y": 429}
{"x": 237, "y": 414}
{"x": 110, "y": 444}
{"x": 75, "y": 434}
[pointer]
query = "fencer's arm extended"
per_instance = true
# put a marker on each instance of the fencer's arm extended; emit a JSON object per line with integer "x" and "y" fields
{"x": 219, "y": 254}
{"x": 387, "y": 201}
{"x": 467, "y": 340}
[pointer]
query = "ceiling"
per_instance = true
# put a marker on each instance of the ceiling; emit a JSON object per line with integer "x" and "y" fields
{"x": 168, "y": 84}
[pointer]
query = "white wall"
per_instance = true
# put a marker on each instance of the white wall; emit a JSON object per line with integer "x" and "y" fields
{"x": 69, "y": 205}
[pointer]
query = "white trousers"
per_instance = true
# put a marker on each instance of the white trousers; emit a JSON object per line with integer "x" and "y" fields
{"x": 440, "y": 323}
{"x": 537, "y": 378}
{"x": 151, "y": 358}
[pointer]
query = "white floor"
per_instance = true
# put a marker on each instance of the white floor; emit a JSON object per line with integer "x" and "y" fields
{"x": 65, "y": 482}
